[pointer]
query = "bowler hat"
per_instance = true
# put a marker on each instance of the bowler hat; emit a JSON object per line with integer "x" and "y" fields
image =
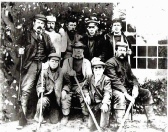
{"x": 40, "y": 17}
{"x": 56, "y": 55}
{"x": 97, "y": 61}
{"x": 78, "y": 45}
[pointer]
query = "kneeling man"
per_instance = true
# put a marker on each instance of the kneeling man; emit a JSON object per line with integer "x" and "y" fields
{"x": 100, "y": 93}
{"x": 50, "y": 83}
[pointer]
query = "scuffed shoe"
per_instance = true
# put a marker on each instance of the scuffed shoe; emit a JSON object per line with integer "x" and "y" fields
{"x": 64, "y": 120}
{"x": 85, "y": 118}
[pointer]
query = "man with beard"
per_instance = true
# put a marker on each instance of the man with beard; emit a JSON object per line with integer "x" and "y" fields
{"x": 92, "y": 40}
{"x": 71, "y": 35}
{"x": 114, "y": 36}
{"x": 50, "y": 30}
{"x": 125, "y": 85}
{"x": 52, "y": 84}
{"x": 37, "y": 46}
{"x": 100, "y": 93}
{"x": 80, "y": 67}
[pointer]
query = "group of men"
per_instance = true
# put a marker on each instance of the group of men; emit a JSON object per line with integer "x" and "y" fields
{"x": 97, "y": 63}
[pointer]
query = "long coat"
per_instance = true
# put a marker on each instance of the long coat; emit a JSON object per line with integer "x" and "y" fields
{"x": 29, "y": 41}
{"x": 121, "y": 75}
{"x": 50, "y": 83}
{"x": 103, "y": 89}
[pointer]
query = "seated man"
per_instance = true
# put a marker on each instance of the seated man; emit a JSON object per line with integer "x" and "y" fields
{"x": 125, "y": 84}
{"x": 52, "y": 84}
{"x": 100, "y": 93}
{"x": 80, "y": 67}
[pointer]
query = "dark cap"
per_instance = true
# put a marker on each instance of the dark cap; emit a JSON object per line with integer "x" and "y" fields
{"x": 121, "y": 44}
{"x": 40, "y": 17}
{"x": 117, "y": 20}
{"x": 78, "y": 45}
{"x": 55, "y": 55}
{"x": 93, "y": 19}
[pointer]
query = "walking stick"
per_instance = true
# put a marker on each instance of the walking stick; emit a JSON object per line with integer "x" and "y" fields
{"x": 90, "y": 111}
{"x": 22, "y": 117}
{"x": 41, "y": 103}
{"x": 125, "y": 117}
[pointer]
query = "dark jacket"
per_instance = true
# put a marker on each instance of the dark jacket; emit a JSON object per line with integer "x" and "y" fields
{"x": 97, "y": 49}
{"x": 103, "y": 89}
{"x": 29, "y": 41}
{"x": 120, "y": 74}
{"x": 108, "y": 50}
{"x": 50, "y": 83}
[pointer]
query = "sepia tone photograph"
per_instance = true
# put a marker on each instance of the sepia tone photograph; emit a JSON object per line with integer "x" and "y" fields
{"x": 85, "y": 66}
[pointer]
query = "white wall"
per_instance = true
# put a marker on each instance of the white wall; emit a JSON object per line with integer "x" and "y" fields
{"x": 149, "y": 74}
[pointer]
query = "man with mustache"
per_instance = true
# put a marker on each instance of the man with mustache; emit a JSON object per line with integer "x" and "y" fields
{"x": 50, "y": 30}
{"x": 125, "y": 85}
{"x": 71, "y": 36}
{"x": 35, "y": 46}
{"x": 80, "y": 67}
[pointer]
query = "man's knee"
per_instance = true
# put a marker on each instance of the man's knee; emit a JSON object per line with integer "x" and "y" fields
{"x": 119, "y": 100}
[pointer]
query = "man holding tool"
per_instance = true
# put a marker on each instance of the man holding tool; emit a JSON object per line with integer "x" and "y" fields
{"x": 125, "y": 84}
{"x": 79, "y": 67}
{"x": 100, "y": 93}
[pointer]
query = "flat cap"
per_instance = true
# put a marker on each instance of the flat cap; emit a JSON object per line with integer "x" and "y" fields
{"x": 40, "y": 17}
{"x": 56, "y": 55}
{"x": 97, "y": 61}
{"x": 121, "y": 44}
{"x": 78, "y": 45}
{"x": 51, "y": 18}
{"x": 93, "y": 19}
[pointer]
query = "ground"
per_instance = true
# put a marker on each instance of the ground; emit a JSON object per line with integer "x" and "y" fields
{"x": 75, "y": 124}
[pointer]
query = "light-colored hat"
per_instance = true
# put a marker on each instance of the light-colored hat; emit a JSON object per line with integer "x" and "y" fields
{"x": 97, "y": 61}
{"x": 51, "y": 18}
{"x": 121, "y": 44}
{"x": 54, "y": 55}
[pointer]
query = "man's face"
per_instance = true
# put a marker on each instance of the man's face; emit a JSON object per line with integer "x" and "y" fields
{"x": 121, "y": 52}
{"x": 38, "y": 26}
{"x": 98, "y": 70}
{"x": 50, "y": 26}
{"x": 78, "y": 51}
{"x": 92, "y": 28}
{"x": 71, "y": 27}
{"x": 53, "y": 63}
{"x": 116, "y": 28}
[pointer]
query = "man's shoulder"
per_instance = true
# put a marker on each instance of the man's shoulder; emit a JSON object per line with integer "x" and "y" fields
{"x": 86, "y": 60}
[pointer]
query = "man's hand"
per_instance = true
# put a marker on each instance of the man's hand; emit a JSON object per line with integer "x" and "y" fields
{"x": 41, "y": 89}
{"x": 88, "y": 100}
{"x": 135, "y": 91}
{"x": 64, "y": 94}
{"x": 21, "y": 51}
{"x": 104, "y": 107}
{"x": 129, "y": 52}
{"x": 72, "y": 73}
{"x": 129, "y": 97}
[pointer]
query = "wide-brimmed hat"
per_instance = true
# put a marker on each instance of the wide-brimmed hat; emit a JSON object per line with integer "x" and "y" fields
{"x": 54, "y": 55}
{"x": 97, "y": 61}
{"x": 79, "y": 45}
{"x": 40, "y": 17}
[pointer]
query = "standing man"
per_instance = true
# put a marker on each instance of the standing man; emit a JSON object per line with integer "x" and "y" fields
{"x": 115, "y": 35}
{"x": 37, "y": 46}
{"x": 100, "y": 93}
{"x": 52, "y": 85}
{"x": 92, "y": 39}
{"x": 50, "y": 30}
{"x": 80, "y": 67}
{"x": 70, "y": 36}
{"x": 125, "y": 84}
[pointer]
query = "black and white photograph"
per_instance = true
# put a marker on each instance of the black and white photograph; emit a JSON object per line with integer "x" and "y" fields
{"x": 83, "y": 66}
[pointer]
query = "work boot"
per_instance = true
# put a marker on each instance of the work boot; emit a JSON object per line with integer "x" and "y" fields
{"x": 64, "y": 120}
{"x": 85, "y": 118}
